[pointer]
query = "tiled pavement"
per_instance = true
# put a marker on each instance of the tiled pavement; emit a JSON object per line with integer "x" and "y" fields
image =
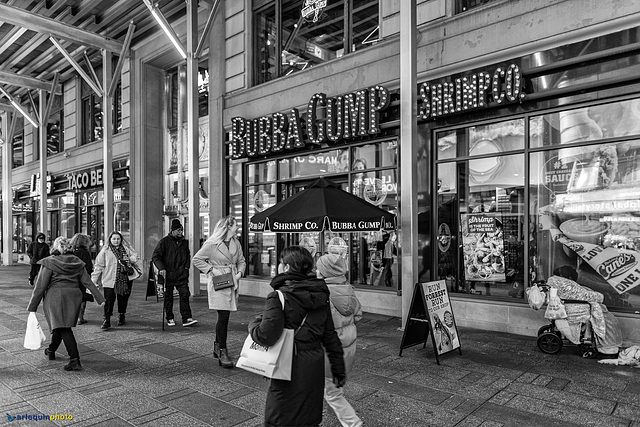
{"x": 139, "y": 375}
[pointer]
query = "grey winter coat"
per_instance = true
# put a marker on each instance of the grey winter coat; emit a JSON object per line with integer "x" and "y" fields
{"x": 215, "y": 259}
{"x": 58, "y": 283}
{"x": 346, "y": 311}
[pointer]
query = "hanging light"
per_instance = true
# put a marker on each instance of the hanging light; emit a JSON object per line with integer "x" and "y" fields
{"x": 159, "y": 17}
{"x": 20, "y": 108}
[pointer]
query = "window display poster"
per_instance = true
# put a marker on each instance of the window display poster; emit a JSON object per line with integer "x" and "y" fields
{"x": 483, "y": 247}
{"x": 443, "y": 326}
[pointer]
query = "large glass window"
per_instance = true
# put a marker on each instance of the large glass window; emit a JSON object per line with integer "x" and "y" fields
{"x": 18, "y": 148}
{"x": 586, "y": 202}
{"x": 369, "y": 171}
{"x": 293, "y": 35}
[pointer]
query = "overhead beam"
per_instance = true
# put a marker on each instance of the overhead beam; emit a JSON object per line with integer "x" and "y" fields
{"x": 6, "y": 106}
{"x": 19, "y": 107}
{"x": 35, "y": 22}
{"x": 93, "y": 72}
{"x": 26, "y": 82}
{"x": 123, "y": 54}
{"x": 207, "y": 29}
{"x": 77, "y": 67}
{"x": 47, "y": 110}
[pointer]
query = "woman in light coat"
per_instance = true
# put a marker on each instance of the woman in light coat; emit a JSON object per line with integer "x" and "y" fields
{"x": 110, "y": 271}
{"x": 345, "y": 311}
{"x": 60, "y": 283}
{"x": 221, "y": 254}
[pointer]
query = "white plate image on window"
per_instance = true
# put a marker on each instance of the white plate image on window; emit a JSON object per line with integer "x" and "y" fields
{"x": 483, "y": 170}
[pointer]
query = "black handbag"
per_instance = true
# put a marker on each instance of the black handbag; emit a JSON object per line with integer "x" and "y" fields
{"x": 223, "y": 281}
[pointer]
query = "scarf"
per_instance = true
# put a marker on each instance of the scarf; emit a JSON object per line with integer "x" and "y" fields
{"x": 122, "y": 275}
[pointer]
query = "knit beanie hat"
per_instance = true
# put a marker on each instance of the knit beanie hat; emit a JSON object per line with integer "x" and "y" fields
{"x": 175, "y": 224}
{"x": 331, "y": 265}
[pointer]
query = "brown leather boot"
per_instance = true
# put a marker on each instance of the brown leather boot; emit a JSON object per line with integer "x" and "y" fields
{"x": 224, "y": 360}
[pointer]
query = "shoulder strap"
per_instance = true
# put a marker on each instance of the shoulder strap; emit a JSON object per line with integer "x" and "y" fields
{"x": 282, "y": 300}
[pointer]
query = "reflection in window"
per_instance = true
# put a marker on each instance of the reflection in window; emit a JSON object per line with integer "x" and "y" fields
{"x": 309, "y": 33}
{"x": 611, "y": 120}
{"x": 586, "y": 203}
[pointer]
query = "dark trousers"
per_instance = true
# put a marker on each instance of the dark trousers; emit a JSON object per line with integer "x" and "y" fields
{"x": 35, "y": 269}
{"x": 185, "y": 308}
{"x": 64, "y": 334}
{"x": 222, "y": 325}
{"x": 110, "y": 297}
{"x": 386, "y": 271}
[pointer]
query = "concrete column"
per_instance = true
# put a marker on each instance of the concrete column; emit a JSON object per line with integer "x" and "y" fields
{"x": 408, "y": 154}
{"x": 193, "y": 232}
{"x": 217, "y": 167}
{"x": 42, "y": 186}
{"x": 7, "y": 194}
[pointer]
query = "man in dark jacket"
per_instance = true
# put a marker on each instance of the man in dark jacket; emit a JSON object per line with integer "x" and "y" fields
{"x": 37, "y": 250}
{"x": 172, "y": 258}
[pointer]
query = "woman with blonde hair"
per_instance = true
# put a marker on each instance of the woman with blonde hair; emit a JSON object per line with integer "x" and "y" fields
{"x": 221, "y": 254}
{"x": 80, "y": 244}
{"x": 113, "y": 265}
{"x": 59, "y": 285}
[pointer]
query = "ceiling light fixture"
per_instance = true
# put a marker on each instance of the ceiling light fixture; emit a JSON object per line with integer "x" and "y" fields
{"x": 159, "y": 17}
{"x": 20, "y": 108}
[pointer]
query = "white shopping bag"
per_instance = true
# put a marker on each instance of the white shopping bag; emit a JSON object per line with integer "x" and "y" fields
{"x": 34, "y": 337}
{"x": 272, "y": 362}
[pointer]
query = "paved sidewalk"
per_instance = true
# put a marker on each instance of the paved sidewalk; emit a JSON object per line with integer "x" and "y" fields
{"x": 139, "y": 375}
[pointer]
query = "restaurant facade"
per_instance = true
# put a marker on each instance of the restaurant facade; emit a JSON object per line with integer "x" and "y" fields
{"x": 522, "y": 159}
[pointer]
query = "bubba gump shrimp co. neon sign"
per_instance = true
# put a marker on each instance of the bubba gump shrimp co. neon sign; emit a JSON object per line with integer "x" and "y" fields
{"x": 471, "y": 92}
{"x": 328, "y": 120}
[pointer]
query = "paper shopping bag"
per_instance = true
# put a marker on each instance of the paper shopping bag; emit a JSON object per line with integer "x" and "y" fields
{"x": 34, "y": 337}
{"x": 271, "y": 362}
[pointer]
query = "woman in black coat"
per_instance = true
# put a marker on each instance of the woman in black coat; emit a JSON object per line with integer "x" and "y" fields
{"x": 299, "y": 402}
{"x": 37, "y": 250}
{"x": 81, "y": 244}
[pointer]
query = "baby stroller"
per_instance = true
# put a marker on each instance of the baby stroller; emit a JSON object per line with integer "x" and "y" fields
{"x": 550, "y": 337}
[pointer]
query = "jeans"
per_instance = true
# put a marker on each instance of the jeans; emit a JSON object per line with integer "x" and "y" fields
{"x": 185, "y": 308}
{"x": 343, "y": 409}
{"x": 64, "y": 334}
{"x": 222, "y": 325}
{"x": 110, "y": 297}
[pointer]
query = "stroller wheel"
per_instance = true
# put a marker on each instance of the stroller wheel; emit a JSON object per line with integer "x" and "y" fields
{"x": 543, "y": 329}
{"x": 549, "y": 343}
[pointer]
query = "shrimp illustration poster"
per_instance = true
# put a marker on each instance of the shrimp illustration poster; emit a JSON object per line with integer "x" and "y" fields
{"x": 443, "y": 326}
{"x": 483, "y": 243}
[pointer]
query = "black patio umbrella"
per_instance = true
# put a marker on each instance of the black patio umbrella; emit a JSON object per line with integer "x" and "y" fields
{"x": 322, "y": 206}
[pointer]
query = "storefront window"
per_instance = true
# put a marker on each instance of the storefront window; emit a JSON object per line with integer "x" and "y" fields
{"x": 612, "y": 120}
{"x": 309, "y": 33}
{"x": 261, "y": 172}
{"x": 261, "y": 260}
{"x": 481, "y": 140}
{"x": 480, "y": 204}
{"x": 328, "y": 162}
{"x": 585, "y": 202}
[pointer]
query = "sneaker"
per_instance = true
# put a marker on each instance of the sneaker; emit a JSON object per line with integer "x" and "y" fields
{"x": 189, "y": 322}
{"x": 171, "y": 322}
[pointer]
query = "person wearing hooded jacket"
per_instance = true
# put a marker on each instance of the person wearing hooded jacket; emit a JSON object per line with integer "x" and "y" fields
{"x": 58, "y": 284}
{"x": 346, "y": 310}
{"x": 172, "y": 258}
{"x": 299, "y": 402}
{"x": 37, "y": 250}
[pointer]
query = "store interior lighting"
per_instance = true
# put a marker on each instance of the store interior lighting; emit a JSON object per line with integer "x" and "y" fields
{"x": 166, "y": 27}
{"x": 20, "y": 108}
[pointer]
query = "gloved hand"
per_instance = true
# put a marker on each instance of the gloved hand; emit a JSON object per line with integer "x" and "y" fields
{"x": 339, "y": 380}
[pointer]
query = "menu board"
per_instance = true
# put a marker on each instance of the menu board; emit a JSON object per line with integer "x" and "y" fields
{"x": 483, "y": 247}
{"x": 443, "y": 325}
{"x": 431, "y": 311}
